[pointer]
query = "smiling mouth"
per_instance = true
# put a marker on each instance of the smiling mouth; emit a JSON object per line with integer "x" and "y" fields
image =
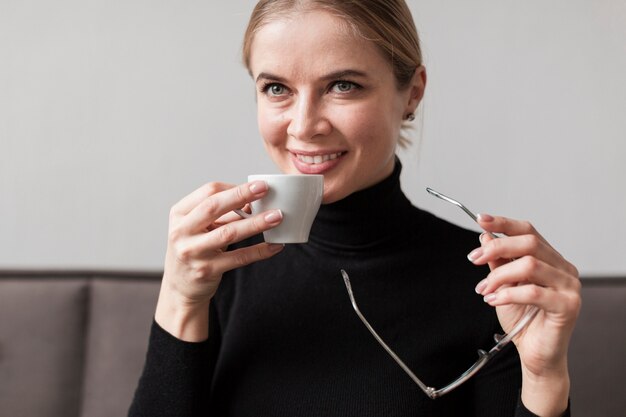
{"x": 318, "y": 159}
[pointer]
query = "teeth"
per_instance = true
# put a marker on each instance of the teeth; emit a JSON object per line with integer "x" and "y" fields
{"x": 318, "y": 159}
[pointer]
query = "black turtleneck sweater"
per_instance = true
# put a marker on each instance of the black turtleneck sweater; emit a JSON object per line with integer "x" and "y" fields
{"x": 285, "y": 341}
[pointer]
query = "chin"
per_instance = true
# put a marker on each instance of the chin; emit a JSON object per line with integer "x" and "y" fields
{"x": 329, "y": 200}
{"x": 333, "y": 194}
{"x": 329, "y": 196}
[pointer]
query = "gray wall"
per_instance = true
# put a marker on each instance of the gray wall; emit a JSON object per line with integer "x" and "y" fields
{"x": 111, "y": 111}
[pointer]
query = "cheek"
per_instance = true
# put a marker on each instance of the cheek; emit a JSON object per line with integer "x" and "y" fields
{"x": 370, "y": 127}
{"x": 354, "y": 122}
{"x": 272, "y": 126}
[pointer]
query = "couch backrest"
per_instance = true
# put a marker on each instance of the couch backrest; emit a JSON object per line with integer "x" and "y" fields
{"x": 597, "y": 353}
{"x": 73, "y": 344}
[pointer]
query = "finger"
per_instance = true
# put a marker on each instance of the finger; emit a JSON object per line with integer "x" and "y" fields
{"x": 527, "y": 270}
{"x": 493, "y": 264}
{"x": 220, "y": 238}
{"x": 232, "y": 216}
{"x": 213, "y": 207}
{"x": 189, "y": 202}
{"x": 513, "y": 247}
{"x": 245, "y": 256}
{"x": 510, "y": 227}
{"x": 547, "y": 299}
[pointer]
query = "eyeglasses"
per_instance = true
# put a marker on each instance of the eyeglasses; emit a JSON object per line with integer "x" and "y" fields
{"x": 483, "y": 356}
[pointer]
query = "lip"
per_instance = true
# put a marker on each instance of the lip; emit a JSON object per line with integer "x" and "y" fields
{"x": 320, "y": 168}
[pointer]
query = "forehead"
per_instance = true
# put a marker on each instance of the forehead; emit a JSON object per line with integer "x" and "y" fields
{"x": 312, "y": 42}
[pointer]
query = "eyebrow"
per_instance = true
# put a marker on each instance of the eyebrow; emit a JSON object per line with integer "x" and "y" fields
{"x": 330, "y": 76}
{"x": 268, "y": 76}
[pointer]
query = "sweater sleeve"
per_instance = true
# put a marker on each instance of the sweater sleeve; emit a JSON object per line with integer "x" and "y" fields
{"x": 498, "y": 388}
{"x": 176, "y": 378}
{"x": 522, "y": 411}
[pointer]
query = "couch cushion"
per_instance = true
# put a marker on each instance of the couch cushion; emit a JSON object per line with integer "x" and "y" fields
{"x": 42, "y": 325}
{"x": 120, "y": 317}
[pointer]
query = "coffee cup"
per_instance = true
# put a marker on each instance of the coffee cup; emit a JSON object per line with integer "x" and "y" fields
{"x": 298, "y": 197}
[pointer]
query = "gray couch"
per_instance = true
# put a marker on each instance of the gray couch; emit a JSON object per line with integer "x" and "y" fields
{"x": 73, "y": 343}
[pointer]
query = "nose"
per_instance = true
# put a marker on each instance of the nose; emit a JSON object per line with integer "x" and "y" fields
{"x": 308, "y": 120}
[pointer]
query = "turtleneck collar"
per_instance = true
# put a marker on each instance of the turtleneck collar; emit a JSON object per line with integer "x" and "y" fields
{"x": 365, "y": 219}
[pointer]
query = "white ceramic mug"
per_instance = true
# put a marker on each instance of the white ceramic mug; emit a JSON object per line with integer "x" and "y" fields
{"x": 298, "y": 197}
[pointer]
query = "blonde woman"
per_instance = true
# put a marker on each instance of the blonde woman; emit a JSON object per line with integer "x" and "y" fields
{"x": 247, "y": 328}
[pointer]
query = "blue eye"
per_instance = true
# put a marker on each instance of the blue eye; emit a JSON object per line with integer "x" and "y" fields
{"x": 344, "y": 87}
{"x": 274, "y": 89}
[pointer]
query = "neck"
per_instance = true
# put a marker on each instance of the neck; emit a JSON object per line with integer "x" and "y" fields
{"x": 365, "y": 219}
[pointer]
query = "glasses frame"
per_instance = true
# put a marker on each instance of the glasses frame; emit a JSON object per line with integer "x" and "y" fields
{"x": 483, "y": 356}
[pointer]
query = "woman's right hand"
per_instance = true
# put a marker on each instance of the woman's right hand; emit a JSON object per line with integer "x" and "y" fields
{"x": 201, "y": 227}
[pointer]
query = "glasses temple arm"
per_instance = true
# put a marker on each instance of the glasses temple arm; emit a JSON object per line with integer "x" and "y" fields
{"x": 428, "y": 390}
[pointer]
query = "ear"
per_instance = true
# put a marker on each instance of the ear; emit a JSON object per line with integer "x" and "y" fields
{"x": 416, "y": 89}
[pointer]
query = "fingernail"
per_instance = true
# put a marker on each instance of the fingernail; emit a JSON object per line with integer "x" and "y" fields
{"x": 475, "y": 254}
{"x": 489, "y": 297}
{"x": 273, "y": 216}
{"x": 275, "y": 247}
{"x": 481, "y": 286}
{"x": 258, "y": 187}
{"x": 485, "y": 218}
{"x": 480, "y": 238}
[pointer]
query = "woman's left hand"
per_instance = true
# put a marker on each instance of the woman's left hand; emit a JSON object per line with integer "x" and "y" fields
{"x": 527, "y": 271}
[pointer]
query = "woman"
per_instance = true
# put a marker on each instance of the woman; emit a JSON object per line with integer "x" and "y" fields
{"x": 262, "y": 329}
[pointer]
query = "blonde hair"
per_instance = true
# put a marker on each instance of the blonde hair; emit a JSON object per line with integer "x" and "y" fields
{"x": 387, "y": 23}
